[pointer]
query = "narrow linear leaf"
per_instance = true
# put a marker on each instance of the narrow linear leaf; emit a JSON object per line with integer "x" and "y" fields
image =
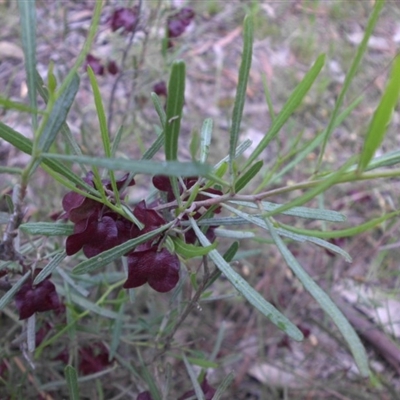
{"x": 105, "y": 136}
{"x": 205, "y": 139}
{"x": 158, "y": 143}
{"x": 10, "y": 294}
{"x": 242, "y": 147}
{"x": 193, "y": 378}
{"x": 231, "y": 252}
{"x": 244, "y": 71}
{"x": 159, "y": 109}
{"x": 386, "y": 160}
{"x": 27, "y": 12}
{"x": 11, "y": 170}
{"x": 247, "y": 291}
{"x": 47, "y": 228}
{"x": 351, "y": 73}
{"x": 176, "y": 99}
{"x": 117, "y": 330}
{"x": 223, "y": 386}
{"x": 171, "y": 168}
{"x": 58, "y": 115}
{"x": 72, "y": 382}
{"x": 91, "y": 307}
{"x": 242, "y": 182}
{"x": 301, "y": 212}
{"x": 189, "y": 251}
{"x": 219, "y": 232}
{"x": 100, "y": 113}
{"x": 50, "y": 267}
{"x": 314, "y": 143}
{"x": 14, "y": 105}
{"x": 286, "y": 233}
{"x": 356, "y": 230}
{"x": 325, "y": 302}
{"x": 95, "y": 263}
{"x": 66, "y": 132}
{"x": 201, "y": 362}
{"x": 116, "y": 141}
{"x": 290, "y": 106}
{"x": 310, "y": 194}
{"x": 381, "y": 118}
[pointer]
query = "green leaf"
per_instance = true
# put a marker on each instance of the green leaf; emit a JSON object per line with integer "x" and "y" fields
{"x": 256, "y": 220}
{"x": 241, "y": 89}
{"x": 58, "y": 115}
{"x": 109, "y": 256}
{"x": 50, "y": 267}
{"x": 239, "y": 151}
{"x": 196, "y": 386}
{"x": 72, "y": 382}
{"x": 100, "y": 113}
{"x": 66, "y": 132}
{"x": 290, "y": 106}
{"x": 351, "y": 73}
{"x": 223, "y": 386}
{"x": 201, "y": 362}
{"x": 325, "y": 302}
{"x": 27, "y": 12}
{"x": 194, "y": 144}
{"x": 243, "y": 180}
{"x": 47, "y": 228}
{"x": 159, "y": 109}
{"x": 189, "y": 251}
{"x": 381, "y": 118}
{"x": 9, "y": 104}
{"x": 353, "y": 231}
{"x": 301, "y": 212}
{"x": 310, "y": 194}
{"x": 176, "y": 99}
{"x": 205, "y": 139}
{"x": 247, "y": 291}
{"x": 10, "y": 294}
{"x": 314, "y": 143}
{"x": 158, "y": 143}
{"x": 171, "y": 168}
{"x": 105, "y": 137}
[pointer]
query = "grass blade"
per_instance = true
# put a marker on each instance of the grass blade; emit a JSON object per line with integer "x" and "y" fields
{"x": 27, "y": 12}
{"x": 247, "y": 291}
{"x": 241, "y": 89}
{"x": 382, "y": 116}
{"x": 290, "y": 106}
{"x": 176, "y": 99}
{"x": 325, "y": 302}
{"x": 171, "y": 168}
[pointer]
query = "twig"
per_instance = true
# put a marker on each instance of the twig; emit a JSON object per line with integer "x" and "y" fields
{"x": 189, "y": 307}
{"x": 384, "y": 346}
